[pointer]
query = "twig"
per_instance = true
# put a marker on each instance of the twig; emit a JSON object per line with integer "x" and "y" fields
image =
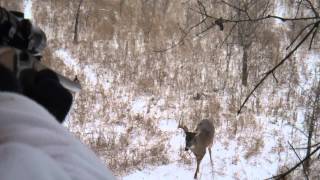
{"x": 294, "y": 150}
{"x": 312, "y": 38}
{"x": 278, "y": 65}
{"x": 304, "y": 170}
{"x": 301, "y": 131}
{"x": 298, "y": 8}
{"x": 181, "y": 40}
{"x": 267, "y": 6}
{"x": 203, "y": 14}
{"x": 313, "y": 9}
{"x": 271, "y": 17}
{"x": 298, "y": 35}
{"x": 237, "y": 8}
{"x": 205, "y": 30}
{"x": 229, "y": 34}
{"x": 274, "y": 76}
{"x": 258, "y": 18}
{"x": 312, "y": 146}
{"x": 203, "y": 8}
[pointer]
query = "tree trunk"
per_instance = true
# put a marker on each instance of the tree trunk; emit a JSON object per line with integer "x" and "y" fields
{"x": 75, "y": 37}
{"x": 245, "y": 67}
{"x": 311, "y": 124}
{"x": 310, "y": 134}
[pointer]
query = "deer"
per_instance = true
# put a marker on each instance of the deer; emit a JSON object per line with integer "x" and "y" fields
{"x": 199, "y": 140}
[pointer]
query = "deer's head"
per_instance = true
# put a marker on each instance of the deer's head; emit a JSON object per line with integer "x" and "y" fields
{"x": 189, "y": 136}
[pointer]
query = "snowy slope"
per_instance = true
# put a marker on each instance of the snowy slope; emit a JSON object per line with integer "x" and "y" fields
{"x": 257, "y": 151}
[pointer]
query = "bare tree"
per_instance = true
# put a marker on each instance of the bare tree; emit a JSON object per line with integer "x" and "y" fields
{"x": 76, "y": 24}
{"x": 311, "y": 118}
{"x": 247, "y": 31}
{"x": 242, "y": 17}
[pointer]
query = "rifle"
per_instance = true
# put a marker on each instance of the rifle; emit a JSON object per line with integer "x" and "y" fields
{"x": 22, "y": 44}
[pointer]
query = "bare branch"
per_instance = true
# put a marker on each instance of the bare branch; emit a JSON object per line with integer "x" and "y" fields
{"x": 294, "y": 150}
{"x": 271, "y": 17}
{"x": 229, "y": 34}
{"x": 301, "y": 131}
{"x": 205, "y": 30}
{"x": 298, "y": 8}
{"x": 274, "y": 76}
{"x": 312, "y": 38}
{"x": 237, "y": 8}
{"x": 312, "y": 146}
{"x": 203, "y": 14}
{"x": 313, "y": 9}
{"x": 267, "y": 6}
{"x": 182, "y": 38}
{"x": 202, "y": 8}
{"x": 298, "y": 35}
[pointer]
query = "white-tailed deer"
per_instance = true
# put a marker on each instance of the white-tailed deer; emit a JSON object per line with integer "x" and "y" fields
{"x": 199, "y": 140}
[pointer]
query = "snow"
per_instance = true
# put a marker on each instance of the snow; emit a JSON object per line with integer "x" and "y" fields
{"x": 280, "y": 11}
{"x": 71, "y": 62}
{"x": 224, "y": 167}
{"x": 229, "y": 160}
{"x": 27, "y": 9}
{"x": 91, "y": 75}
{"x": 67, "y": 58}
{"x": 120, "y": 129}
{"x": 313, "y": 68}
{"x": 229, "y": 154}
{"x": 168, "y": 125}
{"x": 168, "y": 172}
{"x": 139, "y": 105}
{"x": 106, "y": 84}
{"x": 114, "y": 42}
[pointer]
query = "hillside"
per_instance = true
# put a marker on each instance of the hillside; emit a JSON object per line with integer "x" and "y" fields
{"x": 135, "y": 91}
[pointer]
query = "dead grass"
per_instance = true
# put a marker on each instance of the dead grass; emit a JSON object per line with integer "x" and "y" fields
{"x": 178, "y": 72}
{"x": 254, "y": 149}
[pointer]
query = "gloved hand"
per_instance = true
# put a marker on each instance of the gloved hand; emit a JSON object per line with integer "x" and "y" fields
{"x": 43, "y": 86}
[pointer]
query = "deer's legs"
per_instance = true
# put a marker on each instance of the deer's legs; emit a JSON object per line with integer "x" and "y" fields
{"x": 199, "y": 158}
{"x": 209, "y": 149}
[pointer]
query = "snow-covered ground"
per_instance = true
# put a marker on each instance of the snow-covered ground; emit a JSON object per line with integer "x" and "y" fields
{"x": 231, "y": 156}
{"x": 228, "y": 158}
